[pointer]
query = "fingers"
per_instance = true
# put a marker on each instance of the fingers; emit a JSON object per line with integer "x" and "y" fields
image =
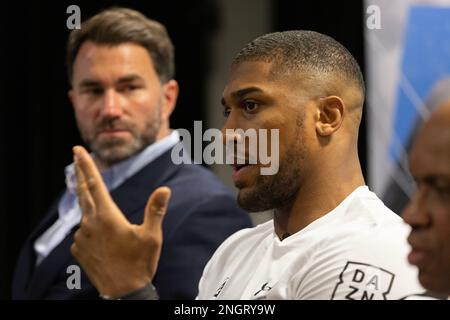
{"x": 156, "y": 209}
{"x": 79, "y": 245}
{"x": 85, "y": 226}
{"x": 85, "y": 200}
{"x": 91, "y": 178}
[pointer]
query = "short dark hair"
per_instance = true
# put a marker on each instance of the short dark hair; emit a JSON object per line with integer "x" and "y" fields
{"x": 117, "y": 25}
{"x": 302, "y": 50}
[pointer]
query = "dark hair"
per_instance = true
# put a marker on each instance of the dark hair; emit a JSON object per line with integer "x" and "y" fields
{"x": 118, "y": 25}
{"x": 301, "y": 50}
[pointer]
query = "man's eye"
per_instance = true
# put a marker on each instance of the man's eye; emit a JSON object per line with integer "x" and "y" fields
{"x": 94, "y": 91}
{"x": 250, "y": 106}
{"x": 442, "y": 190}
{"x": 129, "y": 88}
{"x": 226, "y": 112}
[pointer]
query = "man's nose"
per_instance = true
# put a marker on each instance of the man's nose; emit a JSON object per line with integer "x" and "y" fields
{"x": 416, "y": 213}
{"x": 111, "y": 107}
{"x": 229, "y": 134}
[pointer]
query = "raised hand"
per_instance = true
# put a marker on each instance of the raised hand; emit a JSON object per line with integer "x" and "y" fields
{"x": 117, "y": 256}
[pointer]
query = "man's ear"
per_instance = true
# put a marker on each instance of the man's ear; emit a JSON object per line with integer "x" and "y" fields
{"x": 170, "y": 96}
{"x": 330, "y": 114}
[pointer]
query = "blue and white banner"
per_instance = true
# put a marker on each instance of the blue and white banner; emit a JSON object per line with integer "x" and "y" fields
{"x": 408, "y": 74}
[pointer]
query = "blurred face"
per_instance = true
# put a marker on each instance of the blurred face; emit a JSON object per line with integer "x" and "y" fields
{"x": 119, "y": 102}
{"x": 254, "y": 98}
{"x": 429, "y": 210}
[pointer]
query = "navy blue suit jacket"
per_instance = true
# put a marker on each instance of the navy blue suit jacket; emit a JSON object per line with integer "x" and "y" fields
{"x": 202, "y": 213}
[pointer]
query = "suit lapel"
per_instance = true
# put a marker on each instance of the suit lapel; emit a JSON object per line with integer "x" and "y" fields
{"x": 132, "y": 196}
{"x": 51, "y": 268}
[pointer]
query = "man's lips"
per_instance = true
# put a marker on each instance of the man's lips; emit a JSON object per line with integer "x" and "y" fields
{"x": 113, "y": 132}
{"x": 418, "y": 254}
{"x": 239, "y": 170}
{"x": 417, "y": 257}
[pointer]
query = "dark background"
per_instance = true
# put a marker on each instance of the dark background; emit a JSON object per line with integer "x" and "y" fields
{"x": 36, "y": 120}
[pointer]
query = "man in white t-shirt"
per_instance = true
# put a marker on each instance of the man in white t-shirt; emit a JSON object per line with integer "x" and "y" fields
{"x": 356, "y": 251}
{"x": 331, "y": 238}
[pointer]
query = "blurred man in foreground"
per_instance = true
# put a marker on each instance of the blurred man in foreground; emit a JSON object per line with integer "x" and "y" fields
{"x": 428, "y": 212}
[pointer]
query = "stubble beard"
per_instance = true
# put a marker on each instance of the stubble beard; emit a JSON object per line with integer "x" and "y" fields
{"x": 113, "y": 150}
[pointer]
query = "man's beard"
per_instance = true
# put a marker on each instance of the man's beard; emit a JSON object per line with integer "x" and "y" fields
{"x": 274, "y": 191}
{"x": 113, "y": 150}
{"x": 279, "y": 190}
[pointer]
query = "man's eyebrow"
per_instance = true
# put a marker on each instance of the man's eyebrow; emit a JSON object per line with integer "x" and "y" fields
{"x": 89, "y": 83}
{"x": 430, "y": 179}
{"x": 242, "y": 92}
{"x": 94, "y": 83}
{"x": 129, "y": 78}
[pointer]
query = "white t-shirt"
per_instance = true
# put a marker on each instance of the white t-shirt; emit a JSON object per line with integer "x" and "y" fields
{"x": 356, "y": 251}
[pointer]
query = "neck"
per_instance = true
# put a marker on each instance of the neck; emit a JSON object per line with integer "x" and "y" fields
{"x": 322, "y": 191}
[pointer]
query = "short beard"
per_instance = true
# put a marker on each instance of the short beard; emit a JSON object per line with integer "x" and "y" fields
{"x": 276, "y": 191}
{"x": 115, "y": 150}
{"x": 279, "y": 190}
